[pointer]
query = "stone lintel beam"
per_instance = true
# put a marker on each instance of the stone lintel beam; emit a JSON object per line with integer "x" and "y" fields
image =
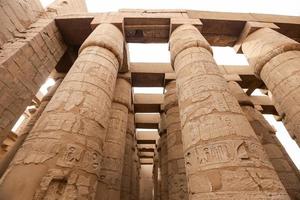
{"x": 153, "y": 103}
{"x": 147, "y": 137}
{"x": 146, "y": 149}
{"x": 158, "y": 74}
{"x": 221, "y": 29}
{"x": 148, "y": 102}
{"x": 143, "y": 120}
{"x": 249, "y": 28}
{"x": 109, "y": 18}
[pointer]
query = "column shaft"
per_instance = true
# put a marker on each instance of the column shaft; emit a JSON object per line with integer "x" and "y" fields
{"x": 126, "y": 187}
{"x": 155, "y": 176}
{"x": 163, "y": 159}
{"x": 61, "y": 158}
{"x": 177, "y": 183}
{"x": 135, "y": 175}
{"x": 109, "y": 186}
{"x": 276, "y": 60}
{"x": 28, "y": 127}
{"x": 223, "y": 157}
{"x": 283, "y": 165}
{"x": 287, "y": 172}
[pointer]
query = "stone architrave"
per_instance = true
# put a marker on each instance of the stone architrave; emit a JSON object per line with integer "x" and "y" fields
{"x": 4, "y": 163}
{"x": 177, "y": 183}
{"x": 224, "y": 158}
{"x": 126, "y": 186}
{"x": 276, "y": 60}
{"x": 62, "y": 156}
{"x": 109, "y": 186}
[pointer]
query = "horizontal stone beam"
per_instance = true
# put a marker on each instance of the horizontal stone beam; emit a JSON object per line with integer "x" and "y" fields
{"x": 146, "y": 141}
{"x": 146, "y": 149}
{"x": 158, "y": 74}
{"x": 143, "y": 120}
{"x": 148, "y": 103}
{"x": 145, "y": 161}
{"x": 141, "y": 156}
{"x": 263, "y": 103}
{"x": 145, "y": 26}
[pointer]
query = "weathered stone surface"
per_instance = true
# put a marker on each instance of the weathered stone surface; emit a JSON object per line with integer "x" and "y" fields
{"x": 126, "y": 184}
{"x": 109, "y": 186}
{"x": 135, "y": 175}
{"x": 276, "y": 59}
{"x": 23, "y": 133}
{"x": 30, "y": 48}
{"x": 24, "y": 66}
{"x": 163, "y": 163}
{"x": 177, "y": 183}
{"x": 286, "y": 170}
{"x": 63, "y": 154}
{"x": 146, "y": 184}
{"x": 16, "y": 16}
{"x": 224, "y": 159}
{"x": 156, "y": 177}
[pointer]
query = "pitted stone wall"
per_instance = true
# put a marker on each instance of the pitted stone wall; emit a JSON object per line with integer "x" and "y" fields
{"x": 16, "y": 16}
{"x": 31, "y": 47}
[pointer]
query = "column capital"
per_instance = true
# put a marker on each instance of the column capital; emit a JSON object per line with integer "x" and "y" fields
{"x": 184, "y": 37}
{"x": 264, "y": 44}
{"x": 108, "y": 37}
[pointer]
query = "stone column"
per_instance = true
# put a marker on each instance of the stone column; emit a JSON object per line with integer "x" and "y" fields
{"x": 156, "y": 179}
{"x": 109, "y": 186}
{"x": 61, "y": 158}
{"x": 28, "y": 127}
{"x": 135, "y": 175}
{"x": 276, "y": 60}
{"x": 163, "y": 159}
{"x": 282, "y": 163}
{"x": 126, "y": 187}
{"x": 224, "y": 159}
{"x": 176, "y": 169}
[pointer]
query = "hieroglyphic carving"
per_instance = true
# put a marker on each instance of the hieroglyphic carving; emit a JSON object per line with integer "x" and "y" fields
{"x": 217, "y": 137}
{"x": 228, "y": 153}
{"x": 275, "y": 59}
{"x": 68, "y": 139}
{"x": 177, "y": 182}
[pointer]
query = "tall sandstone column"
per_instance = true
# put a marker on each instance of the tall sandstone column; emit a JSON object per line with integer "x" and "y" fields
{"x": 109, "y": 186}
{"x": 276, "y": 60}
{"x": 135, "y": 173}
{"x": 163, "y": 159}
{"x": 126, "y": 186}
{"x": 29, "y": 125}
{"x": 224, "y": 159}
{"x": 61, "y": 158}
{"x": 286, "y": 170}
{"x": 177, "y": 183}
{"x": 156, "y": 193}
